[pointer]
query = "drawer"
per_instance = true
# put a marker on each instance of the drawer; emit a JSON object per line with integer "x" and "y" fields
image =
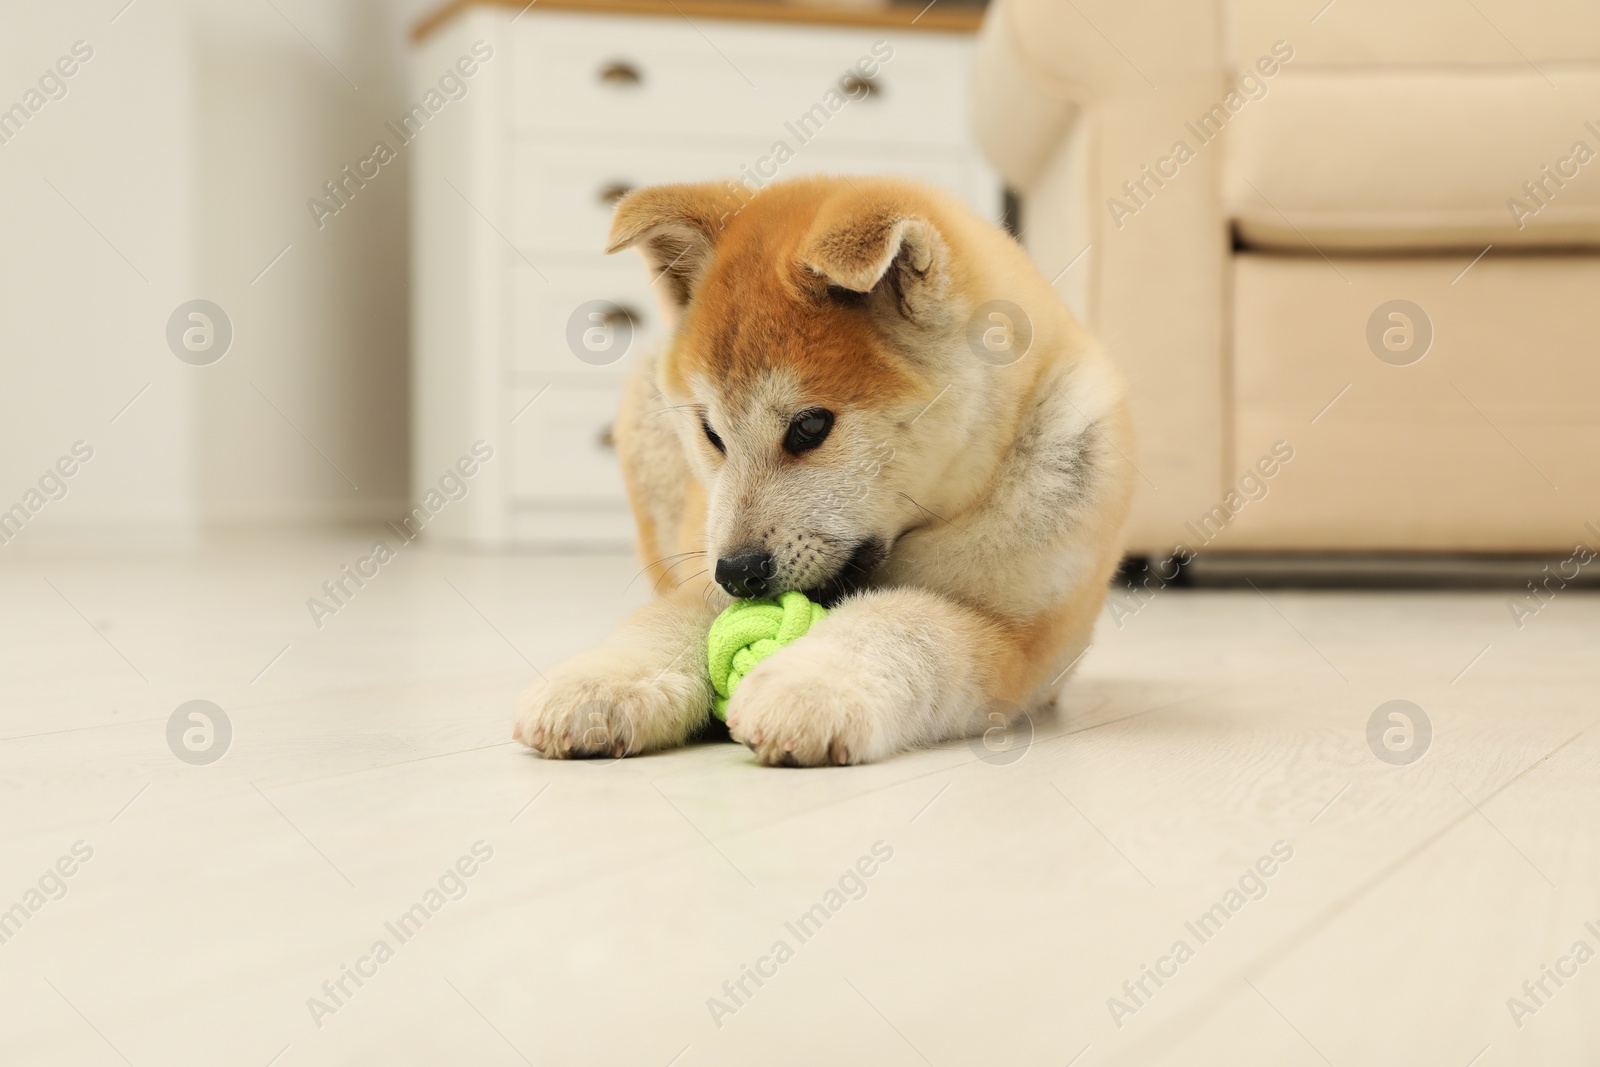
{"x": 565, "y": 193}
{"x": 918, "y": 98}
{"x": 566, "y": 329}
{"x": 722, "y": 78}
{"x": 1445, "y": 429}
{"x": 561, "y": 450}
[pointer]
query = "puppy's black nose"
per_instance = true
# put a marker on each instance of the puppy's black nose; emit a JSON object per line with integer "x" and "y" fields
{"x": 745, "y": 574}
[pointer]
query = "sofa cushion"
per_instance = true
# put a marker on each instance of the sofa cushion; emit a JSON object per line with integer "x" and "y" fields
{"x": 1445, "y": 425}
{"x": 1103, "y": 47}
{"x": 1428, "y": 158}
{"x": 1417, "y": 32}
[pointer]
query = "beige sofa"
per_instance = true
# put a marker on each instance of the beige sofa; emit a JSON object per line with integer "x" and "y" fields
{"x": 1366, "y": 236}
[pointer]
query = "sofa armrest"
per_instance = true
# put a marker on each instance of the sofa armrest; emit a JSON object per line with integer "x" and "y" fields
{"x": 1018, "y": 119}
{"x": 1039, "y": 62}
{"x": 1074, "y": 104}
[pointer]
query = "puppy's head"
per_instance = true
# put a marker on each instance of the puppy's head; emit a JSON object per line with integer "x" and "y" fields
{"x": 815, "y": 320}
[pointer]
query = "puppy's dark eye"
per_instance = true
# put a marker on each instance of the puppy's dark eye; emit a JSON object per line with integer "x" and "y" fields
{"x": 808, "y": 430}
{"x": 711, "y": 435}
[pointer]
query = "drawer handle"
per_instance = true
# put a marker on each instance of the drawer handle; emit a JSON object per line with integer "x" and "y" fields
{"x": 608, "y": 437}
{"x": 858, "y": 87}
{"x": 622, "y": 315}
{"x": 620, "y": 72}
{"x": 610, "y": 194}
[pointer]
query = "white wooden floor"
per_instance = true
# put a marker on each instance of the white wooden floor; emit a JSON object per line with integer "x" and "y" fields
{"x": 369, "y": 757}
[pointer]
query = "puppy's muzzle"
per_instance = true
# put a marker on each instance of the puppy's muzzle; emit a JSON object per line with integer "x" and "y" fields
{"x": 746, "y": 574}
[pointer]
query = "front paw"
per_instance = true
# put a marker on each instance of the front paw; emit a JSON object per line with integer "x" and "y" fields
{"x": 610, "y": 708}
{"x": 805, "y": 708}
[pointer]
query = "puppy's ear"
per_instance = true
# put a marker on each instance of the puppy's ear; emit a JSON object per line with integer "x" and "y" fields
{"x": 676, "y": 227}
{"x": 898, "y": 258}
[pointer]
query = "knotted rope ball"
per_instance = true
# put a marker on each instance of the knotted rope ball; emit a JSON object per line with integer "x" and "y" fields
{"x": 748, "y": 632}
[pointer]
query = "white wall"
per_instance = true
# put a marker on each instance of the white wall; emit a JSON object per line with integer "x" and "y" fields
{"x": 323, "y": 334}
{"x": 191, "y": 141}
{"x": 95, "y": 252}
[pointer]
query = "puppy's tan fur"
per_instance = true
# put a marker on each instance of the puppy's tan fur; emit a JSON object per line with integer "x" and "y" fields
{"x": 1000, "y": 492}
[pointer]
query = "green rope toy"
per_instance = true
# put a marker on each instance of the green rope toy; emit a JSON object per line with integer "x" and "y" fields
{"x": 748, "y": 632}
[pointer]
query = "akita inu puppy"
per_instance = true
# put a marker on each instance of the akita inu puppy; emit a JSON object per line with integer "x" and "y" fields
{"x": 872, "y": 396}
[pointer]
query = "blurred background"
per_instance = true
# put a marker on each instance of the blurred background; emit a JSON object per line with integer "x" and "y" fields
{"x": 178, "y": 164}
{"x": 286, "y": 283}
{"x": 1353, "y": 233}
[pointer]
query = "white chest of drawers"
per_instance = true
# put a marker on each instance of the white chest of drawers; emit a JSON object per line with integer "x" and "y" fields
{"x": 514, "y": 177}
